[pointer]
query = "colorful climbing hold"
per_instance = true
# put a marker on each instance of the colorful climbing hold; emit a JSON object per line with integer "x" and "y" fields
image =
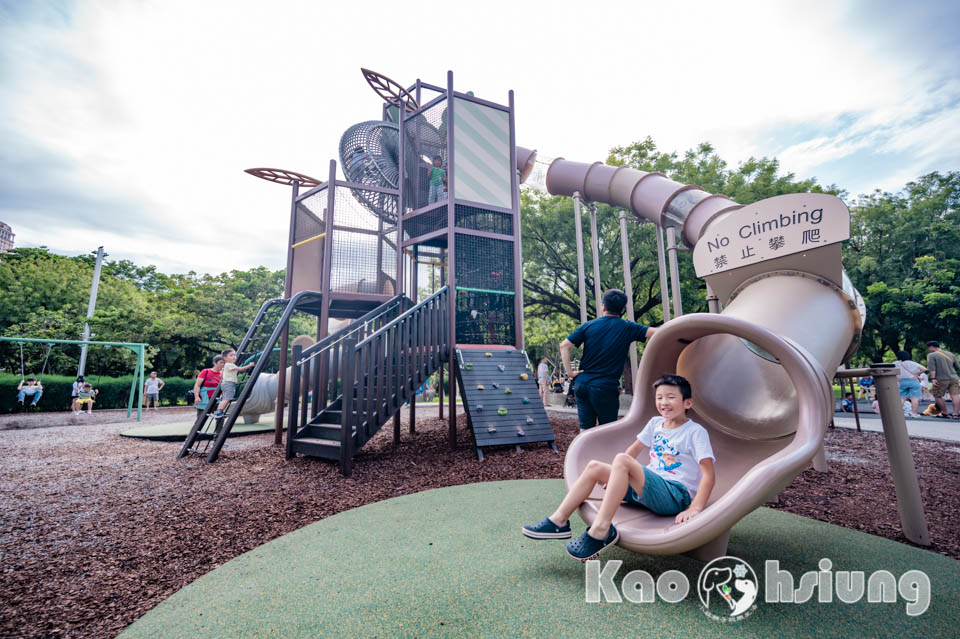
{"x": 479, "y": 386}
{"x": 501, "y": 367}
{"x": 526, "y": 400}
{"x": 468, "y": 366}
{"x": 507, "y": 391}
{"x": 495, "y": 385}
{"x": 501, "y": 411}
{"x": 491, "y": 428}
{"x": 488, "y": 354}
{"x": 529, "y": 420}
{"x": 520, "y": 432}
{"x": 479, "y": 406}
{"x": 524, "y": 376}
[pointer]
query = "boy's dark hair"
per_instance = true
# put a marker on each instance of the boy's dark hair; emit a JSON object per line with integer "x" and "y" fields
{"x": 79, "y": 378}
{"x": 31, "y": 379}
{"x": 437, "y": 157}
{"x": 615, "y": 301}
{"x": 686, "y": 392}
{"x": 217, "y": 359}
{"x": 849, "y": 395}
{"x": 227, "y": 351}
{"x": 933, "y": 343}
{"x": 87, "y": 385}
{"x": 903, "y": 356}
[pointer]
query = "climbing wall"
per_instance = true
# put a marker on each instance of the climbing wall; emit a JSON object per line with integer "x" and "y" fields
{"x": 500, "y": 396}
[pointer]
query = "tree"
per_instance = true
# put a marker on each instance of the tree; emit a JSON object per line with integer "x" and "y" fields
{"x": 904, "y": 257}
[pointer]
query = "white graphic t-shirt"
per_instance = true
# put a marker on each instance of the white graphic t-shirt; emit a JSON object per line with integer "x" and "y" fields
{"x": 676, "y": 453}
{"x": 153, "y": 385}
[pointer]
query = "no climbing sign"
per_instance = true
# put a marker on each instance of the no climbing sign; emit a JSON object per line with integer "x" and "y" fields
{"x": 771, "y": 228}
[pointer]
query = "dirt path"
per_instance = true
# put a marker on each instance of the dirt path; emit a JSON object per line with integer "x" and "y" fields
{"x": 97, "y": 529}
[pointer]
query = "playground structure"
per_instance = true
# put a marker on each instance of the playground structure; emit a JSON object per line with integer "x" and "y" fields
{"x": 356, "y": 248}
{"x": 784, "y": 315}
{"x": 136, "y": 386}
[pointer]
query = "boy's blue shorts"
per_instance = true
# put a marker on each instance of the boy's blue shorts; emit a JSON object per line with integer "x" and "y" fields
{"x": 662, "y": 496}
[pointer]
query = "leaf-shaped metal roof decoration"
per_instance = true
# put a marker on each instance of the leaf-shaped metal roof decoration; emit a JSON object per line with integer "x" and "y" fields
{"x": 282, "y": 176}
{"x": 391, "y": 92}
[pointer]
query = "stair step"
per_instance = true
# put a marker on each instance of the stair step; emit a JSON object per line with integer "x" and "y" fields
{"x": 317, "y": 441}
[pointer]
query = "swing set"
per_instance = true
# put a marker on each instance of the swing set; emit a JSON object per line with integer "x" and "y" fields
{"x": 136, "y": 387}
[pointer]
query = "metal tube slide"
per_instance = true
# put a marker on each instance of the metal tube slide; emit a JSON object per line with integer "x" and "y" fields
{"x": 650, "y": 196}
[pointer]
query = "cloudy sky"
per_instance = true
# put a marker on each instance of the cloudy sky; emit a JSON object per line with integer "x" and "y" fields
{"x": 129, "y": 123}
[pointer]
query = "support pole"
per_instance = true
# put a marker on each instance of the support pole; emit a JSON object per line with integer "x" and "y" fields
{"x": 907, "y": 488}
{"x": 451, "y": 263}
{"x": 581, "y": 284}
{"x": 91, "y": 306}
{"x": 287, "y": 293}
{"x": 595, "y": 248}
{"x": 628, "y": 287}
{"x": 713, "y": 302}
{"x": 662, "y": 265}
{"x": 674, "y": 271}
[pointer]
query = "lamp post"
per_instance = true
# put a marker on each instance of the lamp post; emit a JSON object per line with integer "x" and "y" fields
{"x": 90, "y": 308}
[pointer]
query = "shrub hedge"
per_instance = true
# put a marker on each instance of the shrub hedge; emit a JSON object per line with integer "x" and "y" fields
{"x": 114, "y": 392}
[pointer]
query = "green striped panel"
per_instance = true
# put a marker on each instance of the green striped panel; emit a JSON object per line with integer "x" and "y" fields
{"x": 482, "y": 159}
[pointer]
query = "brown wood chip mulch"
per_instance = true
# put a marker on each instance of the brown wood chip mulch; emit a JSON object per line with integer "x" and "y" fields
{"x": 97, "y": 529}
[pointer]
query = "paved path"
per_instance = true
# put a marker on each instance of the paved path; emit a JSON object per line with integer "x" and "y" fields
{"x": 947, "y": 430}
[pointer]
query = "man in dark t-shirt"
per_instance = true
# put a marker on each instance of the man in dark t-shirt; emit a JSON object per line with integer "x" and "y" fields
{"x": 606, "y": 343}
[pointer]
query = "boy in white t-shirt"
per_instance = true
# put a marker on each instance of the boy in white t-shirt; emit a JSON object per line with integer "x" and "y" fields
{"x": 677, "y": 481}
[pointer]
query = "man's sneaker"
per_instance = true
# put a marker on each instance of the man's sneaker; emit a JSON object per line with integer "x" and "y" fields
{"x": 546, "y": 529}
{"x": 586, "y": 547}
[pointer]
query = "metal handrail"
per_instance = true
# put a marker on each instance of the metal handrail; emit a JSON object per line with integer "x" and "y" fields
{"x": 406, "y": 315}
{"x": 358, "y": 324}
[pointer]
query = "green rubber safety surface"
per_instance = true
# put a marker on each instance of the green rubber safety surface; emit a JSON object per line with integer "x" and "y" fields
{"x": 452, "y": 563}
{"x": 178, "y": 431}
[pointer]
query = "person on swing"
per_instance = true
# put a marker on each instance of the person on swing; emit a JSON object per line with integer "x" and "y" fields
{"x": 33, "y": 389}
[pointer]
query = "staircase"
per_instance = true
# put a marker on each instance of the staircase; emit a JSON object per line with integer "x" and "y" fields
{"x": 208, "y": 435}
{"x": 346, "y": 389}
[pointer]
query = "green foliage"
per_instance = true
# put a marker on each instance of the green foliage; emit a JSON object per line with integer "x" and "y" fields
{"x": 904, "y": 257}
{"x": 186, "y": 319}
{"x": 114, "y": 392}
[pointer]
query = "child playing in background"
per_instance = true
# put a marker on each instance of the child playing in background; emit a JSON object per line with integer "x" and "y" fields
{"x": 229, "y": 381}
{"x": 74, "y": 393}
{"x": 438, "y": 181}
{"x": 32, "y": 389}
{"x": 86, "y": 398}
{"x": 677, "y": 481}
{"x": 846, "y": 406}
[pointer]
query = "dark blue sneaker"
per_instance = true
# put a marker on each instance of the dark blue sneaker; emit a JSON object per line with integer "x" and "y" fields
{"x": 219, "y": 414}
{"x": 586, "y": 547}
{"x": 546, "y": 529}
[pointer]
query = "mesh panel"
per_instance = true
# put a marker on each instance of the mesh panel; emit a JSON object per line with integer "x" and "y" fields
{"x": 425, "y": 223}
{"x": 484, "y": 263}
{"x": 425, "y": 138}
{"x": 311, "y": 213}
{"x": 471, "y": 217}
{"x": 361, "y": 261}
{"x": 485, "y": 318}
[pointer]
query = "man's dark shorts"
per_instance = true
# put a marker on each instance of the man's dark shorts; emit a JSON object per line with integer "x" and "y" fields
{"x": 596, "y": 403}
